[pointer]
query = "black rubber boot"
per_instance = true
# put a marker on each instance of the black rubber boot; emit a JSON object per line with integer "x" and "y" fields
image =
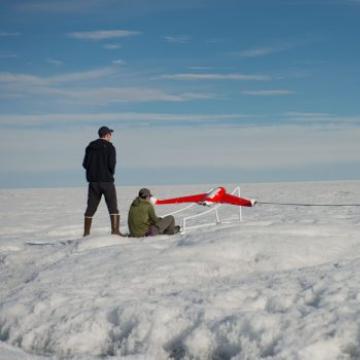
{"x": 87, "y": 225}
{"x": 115, "y": 225}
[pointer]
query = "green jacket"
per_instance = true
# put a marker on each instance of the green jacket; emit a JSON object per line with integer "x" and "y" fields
{"x": 141, "y": 216}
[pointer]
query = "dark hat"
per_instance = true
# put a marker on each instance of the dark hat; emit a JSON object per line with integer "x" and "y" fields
{"x": 144, "y": 193}
{"x": 104, "y": 130}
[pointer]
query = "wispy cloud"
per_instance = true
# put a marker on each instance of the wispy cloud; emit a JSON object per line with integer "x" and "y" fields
{"x": 256, "y": 52}
{"x": 22, "y": 79}
{"x": 319, "y": 118}
{"x": 112, "y": 46}
{"x": 177, "y": 39}
{"x": 99, "y": 35}
{"x": 307, "y": 114}
{"x": 215, "y": 41}
{"x": 260, "y": 147}
{"x": 70, "y": 87}
{"x": 274, "y": 92}
{"x": 64, "y": 6}
{"x": 34, "y": 120}
{"x": 119, "y": 62}
{"x": 7, "y": 55}
{"x": 291, "y": 118}
{"x": 201, "y": 68}
{"x": 121, "y": 9}
{"x": 109, "y": 95}
{"x": 101, "y": 96}
{"x": 9, "y": 34}
{"x": 252, "y": 147}
{"x": 82, "y": 76}
{"x": 213, "y": 76}
{"x": 54, "y": 62}
{"x": 15, "y": 85}
{"x": 33, "y": 80}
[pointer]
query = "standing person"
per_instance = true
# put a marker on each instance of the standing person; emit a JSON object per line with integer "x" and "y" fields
{"x": 99, "y": 163}
{"x": 142, "y": 220}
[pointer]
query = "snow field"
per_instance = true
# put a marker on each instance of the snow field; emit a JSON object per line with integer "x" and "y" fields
{"x": 284, "y": 284}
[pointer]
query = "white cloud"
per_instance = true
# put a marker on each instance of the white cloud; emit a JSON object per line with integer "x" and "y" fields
{"x": 7, "y": 55}
{"x": 9, "y": 34}
{"x": 121, "y": 9}
{"x": 82, "y": 76}
{"x": 15, "y": 85}
{"x": 215, "y": 41}
{"x": 112, "y": 46}
{"x": 289, "y": 118}
{"x": 256, "y": 52}
{"x": 212, "y": 76}
{"x": 198, "y": 96}
{"x": 275, "y": 92}
{"x": 102, "y": 34}
{"x": 63, "y": 6}
{"x": 24, "y": 79}
{"x": 119, "y": 62}
{"x": 251, "y": 147}
{"x": 100, "y": 96}
{"x": 298, "y": 114}
{"x": 259, "y": 148}
{"x": 319, "y": 118}
{"x": 200, "y": 68}
{"x": 54, "y": 62}
{"x": 265, "y": 50}
{"x": 29, "y": 120}
{"x": 108, "y": 95}
{"x": 177, "y": 39}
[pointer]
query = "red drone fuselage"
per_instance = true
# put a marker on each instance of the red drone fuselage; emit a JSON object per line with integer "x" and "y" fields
{"x": 214, "y": 196}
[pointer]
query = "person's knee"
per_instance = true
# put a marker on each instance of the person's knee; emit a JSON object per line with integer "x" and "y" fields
{"x": 113, "y": 210}
{"x": 171, "y": 219}
{"x": 89, "y": 213}
{"x": 91, "y": 208}
{"x": 171, "y": 222}
{"x": 112, "y": 205}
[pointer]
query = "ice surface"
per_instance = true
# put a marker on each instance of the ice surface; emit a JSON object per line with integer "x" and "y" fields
{"x": 283, "y": 284}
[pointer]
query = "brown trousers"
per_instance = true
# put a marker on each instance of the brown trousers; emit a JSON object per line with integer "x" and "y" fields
{"x": 165, "y": 226}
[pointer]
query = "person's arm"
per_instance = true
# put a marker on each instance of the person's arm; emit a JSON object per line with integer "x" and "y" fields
{"x": 86, "y": 159}
{"x": 152, "y": 216}
{"x": 112, "y": 160}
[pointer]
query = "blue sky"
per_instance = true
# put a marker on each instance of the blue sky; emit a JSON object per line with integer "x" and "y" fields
{"x": 196, "y": 91}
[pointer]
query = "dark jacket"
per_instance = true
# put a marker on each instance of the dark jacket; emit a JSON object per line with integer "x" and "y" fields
{"x": 100, "y": 161}
{"x": 141, "y": 216}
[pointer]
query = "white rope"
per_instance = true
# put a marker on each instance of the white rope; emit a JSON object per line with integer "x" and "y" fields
{"x": 304, "y": 204}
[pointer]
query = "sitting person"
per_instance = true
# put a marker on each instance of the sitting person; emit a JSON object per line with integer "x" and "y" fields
{"x": 142, "y": 220}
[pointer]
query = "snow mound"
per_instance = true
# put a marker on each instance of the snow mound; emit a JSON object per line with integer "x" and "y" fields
{"x": 273, "y": 287}
{"x": 97, "y": 242}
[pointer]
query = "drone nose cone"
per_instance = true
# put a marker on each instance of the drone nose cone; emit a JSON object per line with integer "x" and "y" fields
{"x": 153, "y": 200}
